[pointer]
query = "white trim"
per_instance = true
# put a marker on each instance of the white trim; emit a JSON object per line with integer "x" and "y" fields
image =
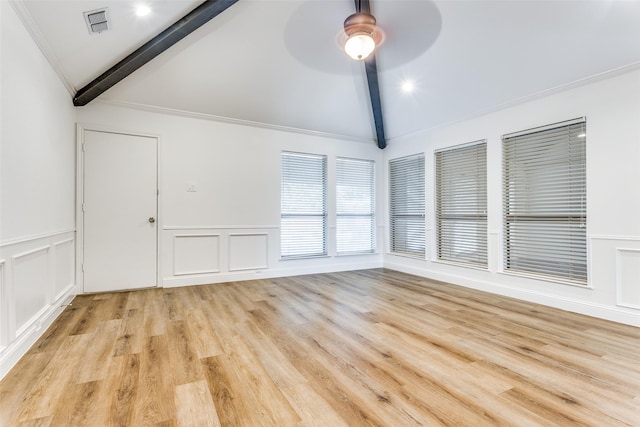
{"x": 79, "y": 208}
{"x": 172, "y": 282}
{"x": 4, "y": 312}
{"x": 266, "y": 250}
{"x": 459, "y": 146}
{"x": 220, "y": 227}
{"x": 187, "y": 273}
{"x": 53, "y": 277}
{"x": 403, "y": 255}
{"x": 301, "y": 257}
{"x": 62, "y": 242}
{"x": 547, "y": 279}
{"x": 197, "y": 235}
{"x": 619, "y": 301}
{"x": 612, "y": 237}
{"x": 460, "y": 264}
{"x": 10, "y": 355}
{"x": 528, "y": 98}
{"x": 348, "y": 254}
{"x": 194, "y": 272}
{"x": 542, "y": 128}
{"x": 230, "y": 120}
{"x": 33, "y": 321}
{"x": 31, "y": 238}
{"x": 29, "y": 252}
{"x": 569, "y": 304}
{"x": 14, "y": 258}
{"x": 96, "y": 127}
{"x": 45, "y": 48}
{"x": 80, "y": 131}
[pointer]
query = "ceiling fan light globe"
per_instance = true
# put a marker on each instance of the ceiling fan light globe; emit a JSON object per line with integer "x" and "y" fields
{"x": 359, "y": 46}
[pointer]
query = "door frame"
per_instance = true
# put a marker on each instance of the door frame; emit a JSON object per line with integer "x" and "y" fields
{"x": 80, "y": 137}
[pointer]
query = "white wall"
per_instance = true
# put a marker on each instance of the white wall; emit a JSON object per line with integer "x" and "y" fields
{"x": 612, "y": 109}
{"x": 37, "y": 193}
{"x": 228, "y": 229}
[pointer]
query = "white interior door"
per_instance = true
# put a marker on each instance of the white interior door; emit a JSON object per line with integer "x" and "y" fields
{"x": 120, "y": 195}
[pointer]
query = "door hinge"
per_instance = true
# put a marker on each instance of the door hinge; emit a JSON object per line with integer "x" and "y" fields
{"x": 82, "y": 267}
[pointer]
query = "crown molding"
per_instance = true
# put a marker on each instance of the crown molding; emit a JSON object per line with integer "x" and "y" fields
{"x": 537, "y": 95}
{"x": 30, "y": 25}
{"x": 229, "y": 120}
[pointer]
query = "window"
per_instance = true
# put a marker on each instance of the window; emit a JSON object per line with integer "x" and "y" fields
{"x": 461, "y": 204}
{"x": 355, "y": 206}
{"x": 303, "y": 217}
{"x": 545, "y": 212}
{"x": 406, "y": 199}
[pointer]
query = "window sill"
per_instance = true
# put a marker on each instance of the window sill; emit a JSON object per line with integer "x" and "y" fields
{"x": 461, "y": 264}
{"x": 547, "y": 279}
{"x": 302, "y": 257}
{"x": 418, "y": 257}
{"x": 343, "y": 254}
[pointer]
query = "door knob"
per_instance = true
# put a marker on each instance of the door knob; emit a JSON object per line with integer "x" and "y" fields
{"x": 152, "y": 220}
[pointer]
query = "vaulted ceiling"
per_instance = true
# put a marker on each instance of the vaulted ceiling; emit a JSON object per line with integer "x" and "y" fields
{"x": 279, "y": 62}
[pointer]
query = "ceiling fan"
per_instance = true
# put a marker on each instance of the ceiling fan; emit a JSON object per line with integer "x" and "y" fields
{"x": 362, "y": 33}
{"x": 415, "y": 20}
{"x": 410, "y": 28}
{"x": 362, "y": 37}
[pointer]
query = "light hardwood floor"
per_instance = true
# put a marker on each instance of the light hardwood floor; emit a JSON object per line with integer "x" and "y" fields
{"x": 372, "y": 347}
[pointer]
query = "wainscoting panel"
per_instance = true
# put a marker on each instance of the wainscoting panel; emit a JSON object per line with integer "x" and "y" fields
{"x": 196, "y": 254}
{"x": 628, "y": 277}
{"x": 30, "y": 285}
{"x": 37, "y": 277}
{"x": 494, "y": 248}
{"x": 63, "y": 266}
{"x": 248, "y": 251}
{"x": 4, "y": 309}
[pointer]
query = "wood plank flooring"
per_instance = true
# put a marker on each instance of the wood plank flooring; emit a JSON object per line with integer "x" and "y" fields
{"x": 362, "y": 348}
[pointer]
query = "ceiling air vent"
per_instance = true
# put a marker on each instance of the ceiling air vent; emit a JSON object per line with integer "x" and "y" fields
{"x": 97, "y": 20}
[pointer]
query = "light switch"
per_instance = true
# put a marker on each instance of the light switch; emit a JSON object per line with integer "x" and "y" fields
{"x": 191, "y": 188}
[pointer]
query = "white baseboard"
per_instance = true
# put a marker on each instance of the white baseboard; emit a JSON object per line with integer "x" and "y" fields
{"x": 171, "y": 282}
{"x": 615, "y": 314}
{"x": 11, "y": 354}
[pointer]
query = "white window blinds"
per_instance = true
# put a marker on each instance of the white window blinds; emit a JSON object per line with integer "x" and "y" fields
{"x": 461, "y": 204}
{"x": 303, "y": 222}
{"x": 406, "y": 199}
{"x": 545, "y": 209}
{"x": 355, "y": 206}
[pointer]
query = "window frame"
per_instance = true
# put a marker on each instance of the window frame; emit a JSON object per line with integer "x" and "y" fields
{"x": 543, "y": 232}
{"x": 472, "y": 209}
{"x": 299, "y": 215}
{"x": 371, "y": 215}
{"x": 414, "y": 214}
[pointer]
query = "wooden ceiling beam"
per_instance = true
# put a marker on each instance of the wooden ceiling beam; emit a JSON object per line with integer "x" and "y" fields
{"x": 154, "y": 47}
{"x": 371, "y": 69}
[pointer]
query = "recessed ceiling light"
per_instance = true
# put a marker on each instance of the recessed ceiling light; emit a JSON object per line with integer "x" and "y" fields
{"x": 408, "y": 86}
{"x": 143, "y": 10}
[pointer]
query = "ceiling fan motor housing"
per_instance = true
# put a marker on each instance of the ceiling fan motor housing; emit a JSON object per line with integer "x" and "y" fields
{"x": 360, "y": 23}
